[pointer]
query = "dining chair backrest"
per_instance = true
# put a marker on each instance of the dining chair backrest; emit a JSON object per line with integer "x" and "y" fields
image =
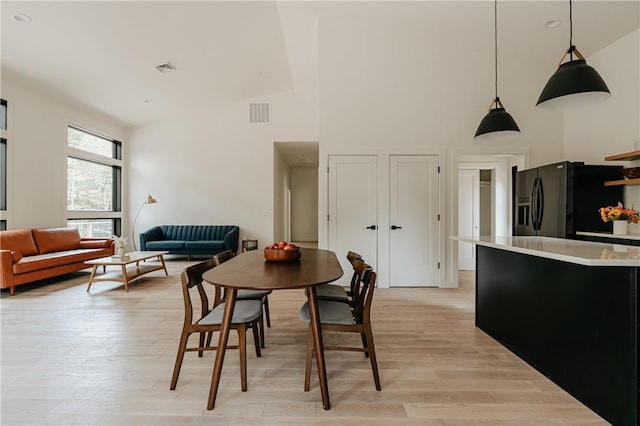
{"x": 192, "y": 277}
{"x": 352, "y": 256}
{"x": 364, "y": 284}
{"x": 220, "y": 258}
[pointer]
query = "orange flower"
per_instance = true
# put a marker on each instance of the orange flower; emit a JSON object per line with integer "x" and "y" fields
{"x": 619, "y": 213}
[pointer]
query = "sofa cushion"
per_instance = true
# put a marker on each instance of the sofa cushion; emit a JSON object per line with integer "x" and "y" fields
{"x": 204, "y": 245}
{"x": 19, "y": 240}
{"x": 56, "y": 239}
{"x": 95, "y": 243}
{"x": 51, "y": 260}
{"x": 165, "y": 245}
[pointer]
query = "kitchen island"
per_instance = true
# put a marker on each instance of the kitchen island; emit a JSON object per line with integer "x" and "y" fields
{"x": 569, "y": 309}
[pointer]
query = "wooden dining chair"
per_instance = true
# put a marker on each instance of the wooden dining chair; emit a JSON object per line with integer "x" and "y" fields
{"x": 339, "y": 317}
{"x": 246, "y": 314}
{"x": 243, "y": 294}
{"x": 337, "y": 292}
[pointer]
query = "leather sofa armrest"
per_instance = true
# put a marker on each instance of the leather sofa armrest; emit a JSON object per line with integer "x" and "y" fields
{"x": 231, "y": 239}
{"x": 6, "y": 266}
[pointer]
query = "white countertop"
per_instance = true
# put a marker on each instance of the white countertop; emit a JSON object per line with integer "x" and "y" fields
{"x": 609, "y": 235}
{"x": 580, "y": 252}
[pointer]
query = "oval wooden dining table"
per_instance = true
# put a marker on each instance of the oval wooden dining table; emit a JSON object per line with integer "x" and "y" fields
{"x": 251, "y": 271}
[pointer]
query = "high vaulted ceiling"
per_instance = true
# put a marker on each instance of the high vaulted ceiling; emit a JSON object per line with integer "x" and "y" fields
{"x": 103, "y": 54}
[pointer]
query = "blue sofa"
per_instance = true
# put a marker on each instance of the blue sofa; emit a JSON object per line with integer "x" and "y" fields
{"x": 191, "y": 239}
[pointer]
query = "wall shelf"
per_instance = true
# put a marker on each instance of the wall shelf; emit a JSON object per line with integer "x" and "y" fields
{"x": 627, "y": 156}
{"x": 622, "y": 182}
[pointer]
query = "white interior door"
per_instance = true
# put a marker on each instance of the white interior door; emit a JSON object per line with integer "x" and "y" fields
{"x": 468, "y": 216}
{"x": 413, "y": 219}
{"x": 352, "y": 209}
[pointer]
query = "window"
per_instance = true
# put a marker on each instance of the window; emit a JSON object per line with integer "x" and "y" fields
{"x": 3, "y": 165}
{"x": 3, "y": 114}
{"x": 3, "y": 174}
{"x": 94, "y": 183}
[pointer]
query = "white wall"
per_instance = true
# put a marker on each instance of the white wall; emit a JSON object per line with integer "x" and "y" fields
{"x": 612, "y": 127}
{"x": 304, "y": 204}
{"x": 214, "y": 167}
{"x": 388, "y": 86}
{"x": 37, "y": 131}
{"x": 280, "y": 188}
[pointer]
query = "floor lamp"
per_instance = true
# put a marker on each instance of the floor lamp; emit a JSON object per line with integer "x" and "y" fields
{"x": 148, "y": 200}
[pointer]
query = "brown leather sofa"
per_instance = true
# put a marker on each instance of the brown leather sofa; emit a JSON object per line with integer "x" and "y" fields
{"x": 28, "y": 255}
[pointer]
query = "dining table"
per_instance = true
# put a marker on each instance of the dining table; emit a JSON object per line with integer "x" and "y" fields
{"x": 250, "y": 270}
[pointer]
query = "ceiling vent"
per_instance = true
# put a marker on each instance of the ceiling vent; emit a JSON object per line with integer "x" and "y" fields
{"x": 259, "y": 113}
{"x": 165, "y": 68}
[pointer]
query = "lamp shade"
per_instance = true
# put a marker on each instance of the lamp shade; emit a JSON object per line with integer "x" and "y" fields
{"x": 574, "y": 84}
{"x": 497, "y": 124}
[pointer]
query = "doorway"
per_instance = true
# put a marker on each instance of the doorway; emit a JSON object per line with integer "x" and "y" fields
{"x": 484, "y": 199}
{"x": 295, "y": 194}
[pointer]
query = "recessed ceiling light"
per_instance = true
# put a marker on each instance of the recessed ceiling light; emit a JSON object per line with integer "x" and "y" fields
{"x": 22, "y": 18}
{"x": 552, "y": 23}
{"x": 262, "y": 73}
{"x": 147, "y": 101}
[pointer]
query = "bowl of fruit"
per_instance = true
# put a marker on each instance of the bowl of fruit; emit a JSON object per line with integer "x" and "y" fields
{"x": 282, "y": 252}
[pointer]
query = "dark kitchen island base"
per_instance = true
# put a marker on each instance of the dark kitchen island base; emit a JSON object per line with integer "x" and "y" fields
{"x": 575, "y": 324}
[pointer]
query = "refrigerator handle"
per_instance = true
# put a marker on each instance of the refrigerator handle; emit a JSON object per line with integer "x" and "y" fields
{"x": 534, "y": 204}
{"x": 540, "y": 202}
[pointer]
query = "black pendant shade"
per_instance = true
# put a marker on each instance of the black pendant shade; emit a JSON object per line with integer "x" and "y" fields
{"x": 574, "y": 83}
{"x": 497, "y": 123}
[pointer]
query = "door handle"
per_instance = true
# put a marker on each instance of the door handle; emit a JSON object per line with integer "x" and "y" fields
{"x": 372, "y": 227}
{"x": 394, "y": 227}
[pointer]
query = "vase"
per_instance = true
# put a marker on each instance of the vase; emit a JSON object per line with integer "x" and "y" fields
{"x": 619, "y": 227}
{"x": 120, "y": 252}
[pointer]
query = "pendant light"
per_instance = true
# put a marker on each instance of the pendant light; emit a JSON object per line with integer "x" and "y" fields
{"x": 574, "y": 83}
{"x": 498, "y": 123}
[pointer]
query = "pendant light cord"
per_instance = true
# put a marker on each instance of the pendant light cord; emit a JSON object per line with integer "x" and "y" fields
{"x": 571, "y": 46}
{"x": 495, "y": 45}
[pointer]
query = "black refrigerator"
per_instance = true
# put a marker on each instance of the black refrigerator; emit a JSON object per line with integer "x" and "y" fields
{"x": 557, "y": 200}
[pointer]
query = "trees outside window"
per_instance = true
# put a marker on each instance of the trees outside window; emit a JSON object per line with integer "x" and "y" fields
{"x": 94, "y": 183}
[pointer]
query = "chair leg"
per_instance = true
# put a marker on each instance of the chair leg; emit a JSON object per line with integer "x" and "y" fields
{"x": 255, "y": 326}
{"x": 261, "y": 329}
{"x": 201, "y": 341}
{"x": 182, "y": 346}
{"x": 242, "y": 345}
{"x": 307, "y": 368}
{"x": 209, "y": 336}
{"x": 266, "y": 311}
{"x": 364, "y": 344}
{"x": 372, "y": 355}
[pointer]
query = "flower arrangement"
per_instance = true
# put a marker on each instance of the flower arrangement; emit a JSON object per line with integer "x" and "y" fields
{"x": 619, "y": 213}
{"x": 120, "y": 242}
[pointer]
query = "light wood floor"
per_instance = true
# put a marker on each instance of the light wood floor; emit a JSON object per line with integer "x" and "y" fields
{"x": 106, "y": 357}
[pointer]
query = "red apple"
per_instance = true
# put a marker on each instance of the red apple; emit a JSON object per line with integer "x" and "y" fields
{"x": 290, "y": 247}
{"x": 273, "y": 247}
{"x": 282, "y": 244}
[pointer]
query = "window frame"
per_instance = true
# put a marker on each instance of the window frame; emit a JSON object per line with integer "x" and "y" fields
{"x": 116, "y": 163}
{"x": 5, "y": 167}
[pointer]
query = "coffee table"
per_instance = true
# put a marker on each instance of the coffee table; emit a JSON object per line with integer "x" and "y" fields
{"x": 130, "y": 267}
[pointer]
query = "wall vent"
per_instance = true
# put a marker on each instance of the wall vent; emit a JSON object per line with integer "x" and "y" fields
{"x": 164, "y": 68}
{"x": 259, "y": 113}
